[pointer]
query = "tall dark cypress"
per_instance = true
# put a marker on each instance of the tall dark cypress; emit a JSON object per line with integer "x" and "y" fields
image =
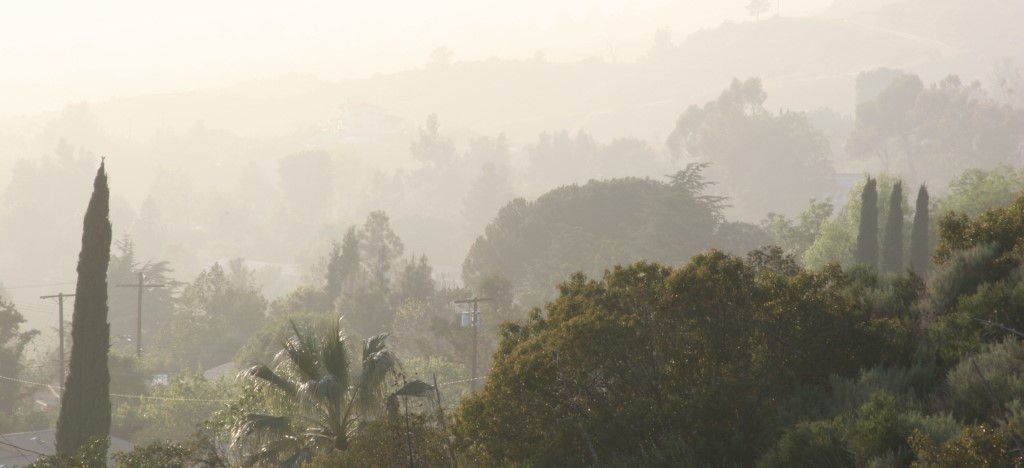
{"x": 867, "y": 236}
{"x": 85, "y": 406}
{"x": 892, "y": 248}
{"x": 919, "y": 258}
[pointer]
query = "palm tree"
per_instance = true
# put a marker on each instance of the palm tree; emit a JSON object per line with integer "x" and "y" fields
{"x": 322, "y": 398}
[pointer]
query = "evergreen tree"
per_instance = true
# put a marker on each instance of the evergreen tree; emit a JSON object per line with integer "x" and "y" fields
{"x": 342, "y": 266}
{"x": 892, "y": 254}
{"x": 85, "y": 406}
{"x": 867, "y": 237}
{"x": 919, "y": 260}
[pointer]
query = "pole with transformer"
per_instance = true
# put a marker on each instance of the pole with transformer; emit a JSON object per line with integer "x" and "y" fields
{"x": 138, "y": 331}
{"x": 475, "y": 323}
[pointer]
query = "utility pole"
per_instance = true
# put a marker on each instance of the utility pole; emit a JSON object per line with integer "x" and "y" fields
{"x": 60, "y": 308}
{"x": 475, "y": 323}
{"x": 138, "y": 331}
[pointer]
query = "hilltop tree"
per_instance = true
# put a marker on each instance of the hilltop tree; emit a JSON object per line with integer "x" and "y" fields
{"x": 919, "y": 258}
{"x": 937, "y": 130}
{"x": 867, "y": 236}
{"x": 432, "y": 148}
{"x": 85, "y": 406}
{"x": 892, "y": 253}
{"x": 756, "y": 8}
{"x": 759, "y": 151}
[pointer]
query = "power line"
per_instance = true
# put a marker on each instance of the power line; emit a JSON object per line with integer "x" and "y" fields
{"x": 29, "y": 286}
{"x": 442, "y": 384}
{"x": 139, "y": 397}
{"x": 199, "y": 400}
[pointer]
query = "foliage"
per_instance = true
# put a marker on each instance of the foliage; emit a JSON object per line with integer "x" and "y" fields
{"x": 319, "y": 399}
{"x": 92, "y": 454}
{"x": 12, "y": 349}
{"x": 157, "y": 454}
{"x": 796, "y": 237}
{"x": 157, "y": 303}
{"x": 809, "y": 444}
{"x": 837, "y": 241}
{"x": 266, "y": 342}
{"x": 214, "y": 317}
{"x": 594, "y": 226}
{"x": 982, "y": 386}
{"x": 936, "y": 131}
{"x": 171, "y": 412}
{"x": 920, "y": 261}
{"x": 85, "y": 406}
{"x": 760, "y": 152}
{"x": 612, "y": 365}
{"x": 976, "y": 190}
{"x": 867, "y": 234}
{"x": 892, "y": 244}
{"x": 976, "y": 446}
{"x": 404, "y": 441}
{"x": 425, "y": 368}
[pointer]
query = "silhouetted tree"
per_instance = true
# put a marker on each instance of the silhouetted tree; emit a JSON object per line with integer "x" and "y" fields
{"x": 867, "y": 237}
{"x": 342, "y": 265}
{"x": 892, "y": 253}
{"x": 758, "y": 7}
{"x": 919, "y": 260}
{"x": 85, "y": 407}
{"x": 12, "y": 347}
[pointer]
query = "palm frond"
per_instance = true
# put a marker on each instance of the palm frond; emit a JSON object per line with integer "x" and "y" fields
{"x": 416, "y": 388}
{"x": 269, "y": 452}
{"x": 297, "y": 459}
{"x": 300, "y": 351}
{"x": 262, "y": 426}
{"x": 262, "y": 372}
{"x": 327, "y": 391}
{"x": 374, "y": 344}
{"x": 334, "y": 354}
{"x": 379, "y": 364}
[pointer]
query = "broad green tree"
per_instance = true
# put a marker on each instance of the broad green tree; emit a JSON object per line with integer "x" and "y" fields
{"x": 591, "y": 227}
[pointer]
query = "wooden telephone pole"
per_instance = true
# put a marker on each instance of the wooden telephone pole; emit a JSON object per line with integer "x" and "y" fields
{"x": 138, "y": 331}
{"x": 475, "y": 323}
{"x": 60, "y": 308}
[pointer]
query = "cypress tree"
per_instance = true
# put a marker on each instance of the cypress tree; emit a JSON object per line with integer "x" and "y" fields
{"x": 892, "y": 249}
{"x": 85, "y": 406}
{"x": 867, "y": 237}
{"x": 919, "y": 260}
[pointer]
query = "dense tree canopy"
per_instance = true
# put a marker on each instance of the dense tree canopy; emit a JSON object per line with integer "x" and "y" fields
{"x": 594, "y": 226}
{"x": 760, "y": 152}
{"x": 936, "y": 131}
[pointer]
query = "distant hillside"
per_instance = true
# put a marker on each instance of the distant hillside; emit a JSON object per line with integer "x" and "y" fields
{"x": 804, "y": 62}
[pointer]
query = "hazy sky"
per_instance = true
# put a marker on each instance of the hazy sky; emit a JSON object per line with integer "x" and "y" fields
{"x": 55, "y": 52}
